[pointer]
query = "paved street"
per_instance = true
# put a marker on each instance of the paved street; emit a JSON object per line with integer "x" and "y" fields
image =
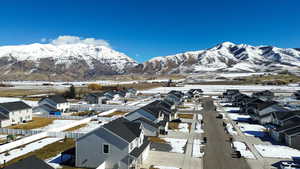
{"x": 217, "y": 150}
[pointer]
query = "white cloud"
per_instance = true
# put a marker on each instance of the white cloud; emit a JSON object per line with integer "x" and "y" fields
{"x": 66, "y": 39}
{"x": 44, "y": 40}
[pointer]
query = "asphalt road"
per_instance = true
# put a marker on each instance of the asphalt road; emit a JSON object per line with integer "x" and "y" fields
{"x": 217, "y": 151}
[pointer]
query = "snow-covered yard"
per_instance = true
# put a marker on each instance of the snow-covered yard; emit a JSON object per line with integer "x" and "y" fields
{"x": 56, "y": 124}
{"x": 238, "y": 117}
{"x": 196, "y": 148}
{"x": 177, "y": 145}
{"x": 231, "y": 109}
{"x": 252, "y": 129}
{"x": 277, "y": 151}
{"x": 245, "y": 151}
{"x": 28, "y": 148}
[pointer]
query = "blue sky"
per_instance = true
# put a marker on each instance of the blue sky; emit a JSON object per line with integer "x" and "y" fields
{"x": 146, "y": 28}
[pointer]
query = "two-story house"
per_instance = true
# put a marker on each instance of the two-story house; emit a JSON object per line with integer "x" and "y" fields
{"x": 14, "y": 113}
{"x": 119, "y": 144}
{"x": 57, "y": 102}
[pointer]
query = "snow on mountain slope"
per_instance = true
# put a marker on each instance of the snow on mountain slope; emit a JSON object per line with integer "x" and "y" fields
{"x": 226, "y": 57}
{"x": 85, "y": 59}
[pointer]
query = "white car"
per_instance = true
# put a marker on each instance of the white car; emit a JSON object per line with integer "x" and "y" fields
{"x": 289, "y": 165}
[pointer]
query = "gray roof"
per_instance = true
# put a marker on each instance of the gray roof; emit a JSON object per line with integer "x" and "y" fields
{"x": 124, "y": 129}
{"x": 3, "y": 117}
{"x": 13, "y": 106}
{"x": 31, "y": 162}
{"x": 292, "y": 131}
{"x": 57, "y": 99}
{"x": 143, "y": 120}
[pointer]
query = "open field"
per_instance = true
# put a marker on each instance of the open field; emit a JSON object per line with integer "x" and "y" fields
{"x": 36, "y": 122}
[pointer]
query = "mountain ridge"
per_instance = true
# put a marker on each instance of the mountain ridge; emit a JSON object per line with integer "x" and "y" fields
{"x": 87, "y": 61}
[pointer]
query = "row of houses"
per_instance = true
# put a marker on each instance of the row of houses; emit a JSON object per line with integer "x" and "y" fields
{"x": 17, "y": 112}
{"x": 123, "y": 143}
{"x": 283, "y": 124}
{"x": 104, "y": 97}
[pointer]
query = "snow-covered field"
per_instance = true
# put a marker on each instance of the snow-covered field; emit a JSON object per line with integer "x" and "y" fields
{"x": 277, "y": 151}
{"x": 222, "y": 88}
{"x": 252, "y": 129}
{"x": 28, "y": 148}
{"x": 176, "y": 144}
{"x": 245, "y": 152}
{"x": 196, "y": 148}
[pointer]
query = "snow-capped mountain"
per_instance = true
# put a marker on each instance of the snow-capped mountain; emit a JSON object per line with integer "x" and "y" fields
{"x": 66, "y": 61}
{"x": 226, "y": 57}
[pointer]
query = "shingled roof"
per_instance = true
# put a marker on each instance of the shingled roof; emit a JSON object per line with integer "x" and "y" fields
{"x": 124, "y": 128}
{"x": 13, "y": 106}
{"x": 31, "y": 162}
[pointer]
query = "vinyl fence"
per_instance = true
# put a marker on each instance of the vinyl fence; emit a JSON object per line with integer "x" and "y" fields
{"x": 60, "y": 117}
{"x": 102, "y": 107}
{"x": 19, "y": 131}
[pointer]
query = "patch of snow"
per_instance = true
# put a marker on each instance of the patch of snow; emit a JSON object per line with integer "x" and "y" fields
{"x": 277, "y": 151}
{"x": 183, "y": 127}
{"x": 242, "y": 147}
{"x": 198, "y": 128}
{"x": 176, "y": 144}
{"x": 108, "y": 112}
{"x": 252, "y": 129}
{"x": 164, "y": 167}
{"x": 196, "y": 149}
{"x": 57, "y": 124}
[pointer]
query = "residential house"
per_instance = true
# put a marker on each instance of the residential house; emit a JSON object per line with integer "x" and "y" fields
{"x": 98, "y": 98}
{"x": 263, "y": 112}
{"x": 119, "y": 144}
{"x": 228, "y": 94}
{"x": 264, "y": 95}
{"x": 174, "y": 97}
{"x": 31, "y": 162}
{"x": 57, "y": 102}
{"x": 46, "y": 109}
{"x": 237, "y": 99}
{"x": 14, "y": 113}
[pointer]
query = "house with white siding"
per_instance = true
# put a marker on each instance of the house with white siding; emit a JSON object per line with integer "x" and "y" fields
{"x": 14, "y": 113}
{"x": 57, "y": 102}
{"x": 118, "y": 144}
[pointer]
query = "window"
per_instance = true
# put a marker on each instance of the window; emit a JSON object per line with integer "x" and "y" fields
{"x": 105, "y": 148}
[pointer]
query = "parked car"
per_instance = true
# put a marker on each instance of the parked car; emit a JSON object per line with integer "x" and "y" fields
{"x": 289, "y": 165}
{"x": 219, "y": 116}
